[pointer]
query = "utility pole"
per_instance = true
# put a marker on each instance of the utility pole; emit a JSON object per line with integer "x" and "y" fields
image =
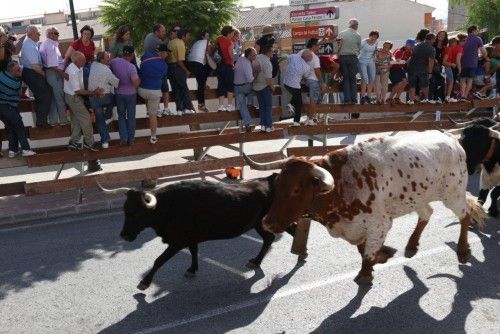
{"x": 73, "y": 19}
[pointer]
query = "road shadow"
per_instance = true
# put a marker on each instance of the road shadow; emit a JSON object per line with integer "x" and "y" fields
{"x": 180, "y": 308}
{"x": 478, "y": 280}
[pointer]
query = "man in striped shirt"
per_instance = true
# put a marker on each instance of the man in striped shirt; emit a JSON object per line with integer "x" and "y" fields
{"x": 10, "y": 88}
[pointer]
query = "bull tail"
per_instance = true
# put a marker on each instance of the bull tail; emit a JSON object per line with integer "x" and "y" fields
{"x": 477, "y": 213}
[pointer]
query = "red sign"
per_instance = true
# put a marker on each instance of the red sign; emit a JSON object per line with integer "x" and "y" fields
{"x": 316, "y": 14}
{"x": 327, "y": 32}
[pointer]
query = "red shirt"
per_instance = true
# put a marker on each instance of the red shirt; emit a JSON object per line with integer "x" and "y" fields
{"x": 401, "y": 54}
{"x": 452, "y": 53}
{"x": 224, "y": 44}
{"x": 88, "y": 51}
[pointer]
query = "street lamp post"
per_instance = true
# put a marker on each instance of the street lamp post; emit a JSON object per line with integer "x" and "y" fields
{"x": 73, "y": 19}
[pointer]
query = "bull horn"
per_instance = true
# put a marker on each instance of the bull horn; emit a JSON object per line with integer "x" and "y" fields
{"x": 149, "y": 200}
{"x": 113, "y": 191}
{"x": 278, "y": 164}
{"x": 325, "y": 177}
{"x": 494, "y": 134}
{"x": 461, "y": 124}
{"x": 495, "y": 127}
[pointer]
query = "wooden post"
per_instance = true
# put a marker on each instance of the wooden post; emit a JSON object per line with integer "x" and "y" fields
{"x": 196, "y": 151}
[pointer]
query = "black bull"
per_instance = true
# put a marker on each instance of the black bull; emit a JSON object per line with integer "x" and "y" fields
{"x": 187, "y": 213}
{"x": 479, "y": 138}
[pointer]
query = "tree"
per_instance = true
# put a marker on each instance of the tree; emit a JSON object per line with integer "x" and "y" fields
{"x": 140, "y": 16}
{"x": 484, "y": 13}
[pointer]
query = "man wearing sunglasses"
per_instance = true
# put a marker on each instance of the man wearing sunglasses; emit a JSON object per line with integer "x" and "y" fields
{"x": 53, "y": 64}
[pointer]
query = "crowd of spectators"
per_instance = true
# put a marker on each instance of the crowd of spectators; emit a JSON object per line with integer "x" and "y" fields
{"x": 84, "y": 86}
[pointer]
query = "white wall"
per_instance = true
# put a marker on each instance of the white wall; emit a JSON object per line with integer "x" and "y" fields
{"x": 395, "y": 20}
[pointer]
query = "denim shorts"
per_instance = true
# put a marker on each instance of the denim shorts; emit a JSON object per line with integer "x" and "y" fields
{"x": 314, "y": 90}
{"x": 449, "y": 74}
{"x": 367, "y": 72}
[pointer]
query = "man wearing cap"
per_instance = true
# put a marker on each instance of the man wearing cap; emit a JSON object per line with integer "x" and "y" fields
{"x": 53, "y": 63}
{"x": 126, "y": 94}
{"x": 397, "y": 73}
{"x": 178, "y": 72}
{"x": 350, "y": 45}
{"x": 314, "y": 80}
{"x": 152, "y": 73}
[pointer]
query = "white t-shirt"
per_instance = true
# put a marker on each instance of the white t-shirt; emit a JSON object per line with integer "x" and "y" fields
{"x": 313, "y": 63}
{"x": 266, "y": 72}
{"x": 75, "y": 81}
{"x": 197, "y": 52}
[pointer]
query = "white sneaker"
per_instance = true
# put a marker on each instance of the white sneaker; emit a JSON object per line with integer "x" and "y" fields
{"x": 290, "y": 109}
{"x": 410, "y": 102}
{"x": 270, "y": 129}
{"x": 311, "y": 122}
{"x": 166, "y": 112}
{"x": 12, "y": 154}
{"x": 296, "y": 124}
{"x": 425, "y": 101}
{"x": 179, "y": 113}
{"x": 159, "y": 113}
{"x": 230, "y": 107}
{"x": 109, "y": 120}
{"x": 221, "y": 108}
{"x": 432, "y": 101}
{"x": 452, "y": 100}
{"x": 105, "y": 145}
{"x": 189, "y": 111}
{"x": 153, "y": 140}
{"x": 27, "y": 153}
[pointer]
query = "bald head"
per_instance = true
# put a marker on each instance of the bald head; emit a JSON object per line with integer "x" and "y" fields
{"x": 353, "y": 24}
{"x": 78, "y": 58}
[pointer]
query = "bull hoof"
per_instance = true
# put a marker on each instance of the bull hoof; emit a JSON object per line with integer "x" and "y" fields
{"x": 389, "y": 251}
{"x": 410, "y": 252}
{"x": 302, "y": 257}
{"x": 189, "y": 274}
{"x": 252, "y": 264}
{"x": 363, "y": 280}
{"x": 142, "y": 286}
{"x": 464, "y": 257}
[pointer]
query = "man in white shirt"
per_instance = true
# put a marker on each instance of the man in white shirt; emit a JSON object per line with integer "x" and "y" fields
{"x": 314, "y": 80}
{"x": 101, "y": 77}
{"x": 297, "y": 69}
{"x": 74, "y": 90}
{"x": 53, "y": 64}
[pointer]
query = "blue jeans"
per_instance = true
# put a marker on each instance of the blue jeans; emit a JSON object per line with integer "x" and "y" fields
{"x": 367, "y": 72}
{"x": 15, "y": 127}
{"x": 314, "y": 90}
{"x": 125, "y": 105}
{"x": 242, "y": 93}
{"x": 102, "y": 105}
{"x": 265, "y": 98}
{"x": 349, "y": 68}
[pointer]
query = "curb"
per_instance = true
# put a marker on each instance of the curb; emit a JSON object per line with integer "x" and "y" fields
{"x": 62, "y": 212}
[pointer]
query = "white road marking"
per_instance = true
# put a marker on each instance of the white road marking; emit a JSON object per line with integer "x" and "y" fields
{"x": 286, "y": 293}
{"x": 220, "y": 265}
{"x": 252, "y": 238}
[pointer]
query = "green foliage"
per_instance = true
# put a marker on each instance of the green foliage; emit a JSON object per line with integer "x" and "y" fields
{"x": 140, "y": 16}
{"x": 484, "y": 13}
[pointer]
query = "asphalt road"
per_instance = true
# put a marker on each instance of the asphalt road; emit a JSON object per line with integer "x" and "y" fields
{"x": 77, "y": 276}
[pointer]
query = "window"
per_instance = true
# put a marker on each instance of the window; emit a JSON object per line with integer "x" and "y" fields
{"x": 36, "y": 21}
{"x": 17, "y": 24}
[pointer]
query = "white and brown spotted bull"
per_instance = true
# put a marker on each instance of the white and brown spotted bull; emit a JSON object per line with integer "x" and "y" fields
{"x": 357, "y": 191}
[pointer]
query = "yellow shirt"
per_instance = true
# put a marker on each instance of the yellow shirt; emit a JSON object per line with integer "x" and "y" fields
{"x": 178, "y": 51}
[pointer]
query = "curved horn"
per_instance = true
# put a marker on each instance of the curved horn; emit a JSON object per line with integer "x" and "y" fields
{"x": 113, "y": 191}
{"x": 461, "y": 124}
{"x": 325, "y": 177}
{"x": 494, "y": 134}
{"x": 149, "y": 200}
{"x": 278, "y": 164}
{"x": 495, "y": 127}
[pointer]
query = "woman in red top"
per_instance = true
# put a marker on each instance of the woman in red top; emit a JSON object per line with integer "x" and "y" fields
{"x": 225, "y": 70}
{"x": 85, "y": 45}
{"x": 397, "y": 73}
